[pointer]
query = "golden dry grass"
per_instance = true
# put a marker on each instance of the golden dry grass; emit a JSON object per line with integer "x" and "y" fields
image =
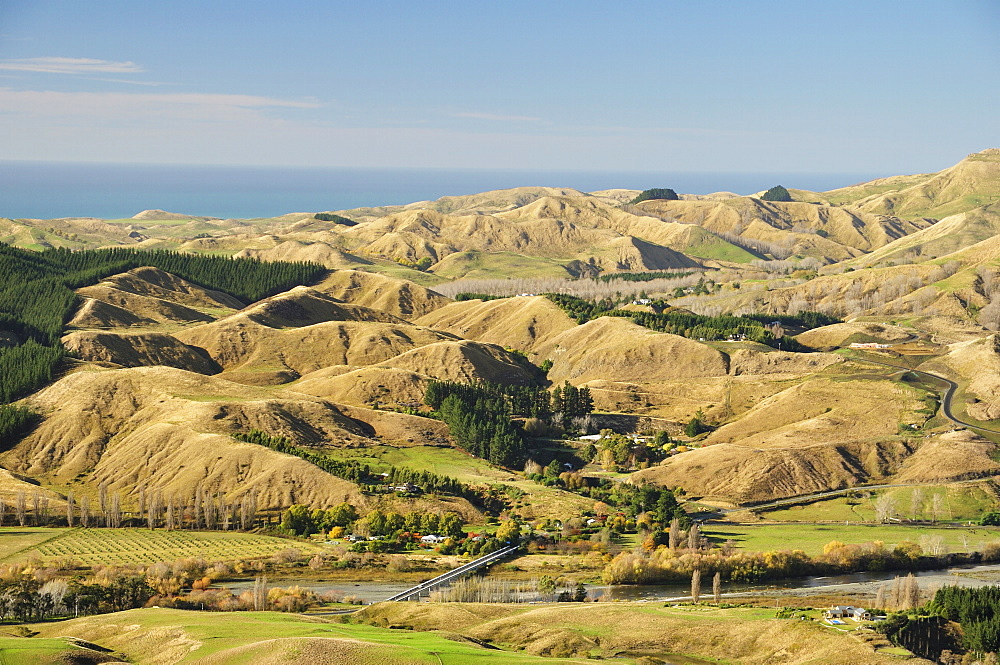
{"x": 169, "y": 429}
{"x": 970, "y": 183}
{"x": 398, "y": 297}
{"x": 736, "y": 635}
{"x": 137, "y": 349}
{"x": 521, "y": 323}
{"x": 615, "y": 349}
{"x": 822, "y": 434}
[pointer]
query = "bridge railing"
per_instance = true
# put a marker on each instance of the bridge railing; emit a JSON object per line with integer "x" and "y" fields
{"x": 453, "y": 574}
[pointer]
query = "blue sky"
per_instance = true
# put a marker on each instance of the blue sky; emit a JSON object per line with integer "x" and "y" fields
{"x": 749, "y": 86}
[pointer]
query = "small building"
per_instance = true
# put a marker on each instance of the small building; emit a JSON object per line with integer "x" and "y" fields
{"x": 406, "y": 487}
{"x": 848, "y": 612}
{"x": 868, "y": 345}
{"x": 432, "y": 539}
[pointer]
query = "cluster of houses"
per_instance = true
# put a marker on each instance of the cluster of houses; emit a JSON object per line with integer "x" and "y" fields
{"x": 429, "y": 539}
{"x": 868, "y": 345}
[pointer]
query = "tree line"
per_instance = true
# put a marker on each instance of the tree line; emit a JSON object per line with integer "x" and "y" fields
{"x": 481, "y": 424}
{"x": 15, "y": 420}
{"x": 149, "y": 507}
{"x": 362, "y": 474}
{"x": 460, "y": 297}
{"x": 640, "y": 276}
{"x": 752, "y": 327}
{"x": 27, "y": 599}
{"x": 37, "y": 298}
{"x": 479, "y": 416}
{"x": 656, "y": 193}
{"x": 664, "y": 564}
{"x": 976, "y": 610}
{"x": 526, "y": 401}
{"x": 335, "y": 218}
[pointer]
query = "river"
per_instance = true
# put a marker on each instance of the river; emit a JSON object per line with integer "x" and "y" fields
{"x": 978, "y": 575}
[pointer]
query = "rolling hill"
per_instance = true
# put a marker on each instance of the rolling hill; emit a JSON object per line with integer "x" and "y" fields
{"x": 165, "y": 370}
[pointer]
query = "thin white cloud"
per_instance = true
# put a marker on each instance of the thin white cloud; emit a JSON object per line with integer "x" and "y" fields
{"x": 55, "y": 65}
{"x": 124, "y": 103}
{"x": 151, "y": 84}
{"x": 497, "y": 117}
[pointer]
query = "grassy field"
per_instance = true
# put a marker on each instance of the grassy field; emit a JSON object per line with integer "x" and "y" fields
{"x": 36, "y": 651}
{"x": 475, "y": 265}
{"x": 137, "y": 546}
{"x": 459, "y": 634}
{"x": 14, "y": 540}
{"x": 543, "y": 501}
{"x": 812, "y": 538}
{"x": 709, "y": 246}
{"x": 392, "y": 269}
{"x": 960, "y": 502}
{"x": 238, "y": 638}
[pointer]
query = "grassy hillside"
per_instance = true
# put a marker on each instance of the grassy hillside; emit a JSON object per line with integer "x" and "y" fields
{"x": 168, "y": 367}
{"x": 473, "y": 264}
{"x": 467, "y": 634}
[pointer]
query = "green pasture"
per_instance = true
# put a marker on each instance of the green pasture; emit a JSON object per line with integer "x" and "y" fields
{"x": 473, "y": 265}
{"x": 959, "y": 503}
{"x": 245, "y": 638}
{"x": 393, "y": 269}
{"x": 811, "y": 538}
{"x": 544, "y": 501}
{"x": 37, "y": 651}
{"x": 709, "y": 246}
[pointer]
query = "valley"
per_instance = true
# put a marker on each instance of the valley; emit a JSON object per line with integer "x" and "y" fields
{"x": 634, "y": 390}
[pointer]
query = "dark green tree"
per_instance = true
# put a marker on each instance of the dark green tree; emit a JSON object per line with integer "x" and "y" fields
{"x": 299, "y": 520}
{"x": 697, "y": 425}
{"x": 664, "y": 194}
{"x": 776, "y": 193}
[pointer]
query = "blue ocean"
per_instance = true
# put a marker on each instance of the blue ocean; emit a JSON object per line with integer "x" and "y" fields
{"x": 47, "y": 190}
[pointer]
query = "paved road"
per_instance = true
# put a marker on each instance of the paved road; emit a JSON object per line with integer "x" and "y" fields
{"x": 946, "y": 404}
{"x": 802, "y": 498}
{"x": 946, "y": 400}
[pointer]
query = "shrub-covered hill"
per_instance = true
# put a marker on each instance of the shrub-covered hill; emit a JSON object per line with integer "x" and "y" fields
{"x": 37, "y": 296}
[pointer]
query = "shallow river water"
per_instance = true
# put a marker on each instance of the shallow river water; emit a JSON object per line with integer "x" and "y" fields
{"x": 982, "y": 575}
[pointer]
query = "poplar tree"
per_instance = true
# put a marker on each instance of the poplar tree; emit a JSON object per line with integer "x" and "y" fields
{"x": 695, "y": 585}
{"x": 675, "y": 534}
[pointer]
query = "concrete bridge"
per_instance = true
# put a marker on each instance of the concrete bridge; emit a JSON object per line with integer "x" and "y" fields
{"x": 424, "y": 588}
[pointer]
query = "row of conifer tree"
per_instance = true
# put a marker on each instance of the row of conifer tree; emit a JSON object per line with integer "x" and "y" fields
{"x": 37, "y": 299}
